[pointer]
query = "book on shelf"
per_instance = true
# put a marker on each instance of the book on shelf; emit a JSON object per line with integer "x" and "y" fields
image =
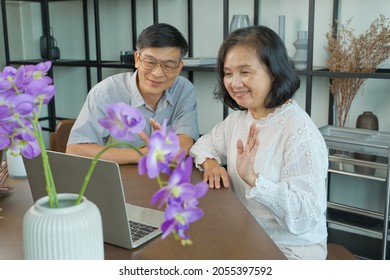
{"x": 196, "y": 61}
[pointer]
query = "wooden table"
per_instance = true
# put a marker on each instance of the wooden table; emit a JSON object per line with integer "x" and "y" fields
{"x": 227, "y": 230}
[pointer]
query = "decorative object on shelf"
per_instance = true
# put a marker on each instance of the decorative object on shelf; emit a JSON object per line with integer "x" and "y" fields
{"x": 300, "y": 57}
{"x": 127, "y": 57}
{"x": 367, "y": 120}
{"x": 197, "y": 61}
{"x": 239, "y": 21}
{"x": 281, "y": 27}
{"x": 15, "y": 165}
{"x": 25, "y": 90}
{"x": 355, "y": 54}
{"x": 69, "y": 232}
{"x": 54, "y": 49}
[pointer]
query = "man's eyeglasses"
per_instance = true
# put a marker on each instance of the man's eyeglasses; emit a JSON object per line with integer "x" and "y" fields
{"x": 150, "y": 64}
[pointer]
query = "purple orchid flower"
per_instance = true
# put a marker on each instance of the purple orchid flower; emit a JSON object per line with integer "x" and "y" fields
{"x": 179, "y": 189}
{"x": 192, "y": 192}
{"x": 163, "y": 147}
{"x": 38, "y": 72}
{"x": 26, "y": 144}
{"x": 5, "y": 113}
{"x": 22, "y": 104}
{"x": 20, "y": 91}
{"x": 181, "y": 198}
{"x": 178, "y": 219}
{"x": 123, "y": 121}
{"x": 7, "y": 78}
{"x": 5, "y": 140}
{"x": 173, "y": 190}
{"x": 39, "y": 90}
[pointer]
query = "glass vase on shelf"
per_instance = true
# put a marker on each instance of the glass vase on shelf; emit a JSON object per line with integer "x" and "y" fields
{"x": 341, "y": 109}
{"x": 339, "y": 119}
{"x": 239, "y": 21}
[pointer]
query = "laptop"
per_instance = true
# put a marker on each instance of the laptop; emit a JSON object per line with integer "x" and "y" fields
{"x": 120, "y": 219}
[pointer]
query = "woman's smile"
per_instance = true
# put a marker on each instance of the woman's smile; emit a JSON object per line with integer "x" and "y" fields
{"x": 241, "y": 94}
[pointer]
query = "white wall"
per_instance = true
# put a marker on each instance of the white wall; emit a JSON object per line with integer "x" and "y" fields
{"x": 374, "y": 94}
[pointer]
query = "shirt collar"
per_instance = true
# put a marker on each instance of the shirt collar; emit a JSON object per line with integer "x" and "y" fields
{"x": 136, "y": 98}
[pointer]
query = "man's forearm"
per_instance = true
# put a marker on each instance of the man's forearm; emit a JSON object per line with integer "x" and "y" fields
{"x": 118, "y": 155}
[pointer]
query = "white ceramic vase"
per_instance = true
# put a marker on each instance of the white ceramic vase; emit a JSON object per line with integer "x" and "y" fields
{"x": 15, "y": 166}
{"x": 70, "y": 232}
{"x": 300, "y": 57}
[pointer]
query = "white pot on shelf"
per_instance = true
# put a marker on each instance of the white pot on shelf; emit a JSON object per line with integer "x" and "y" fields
{"x": 15, "y": 166}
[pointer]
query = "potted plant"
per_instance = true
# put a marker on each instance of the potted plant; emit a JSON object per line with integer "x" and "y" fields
{"x": 355, "y": 54}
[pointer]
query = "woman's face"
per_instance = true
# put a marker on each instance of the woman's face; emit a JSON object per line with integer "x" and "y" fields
{"x": 247, "y": 80}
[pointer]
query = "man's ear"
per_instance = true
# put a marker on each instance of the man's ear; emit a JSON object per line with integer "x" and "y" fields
{"x": 181, "y": 64}
{"x": 136, "y": 59}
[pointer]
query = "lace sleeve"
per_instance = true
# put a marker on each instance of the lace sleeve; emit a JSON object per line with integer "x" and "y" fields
{"x": 299, "y": 199}
{"x": 212, "y": 145}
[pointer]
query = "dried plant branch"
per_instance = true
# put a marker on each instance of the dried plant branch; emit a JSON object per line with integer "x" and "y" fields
{"x": 359, "y": 54}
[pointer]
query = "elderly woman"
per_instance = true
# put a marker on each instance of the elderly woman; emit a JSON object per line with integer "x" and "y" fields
{"x": 276, "y": 157}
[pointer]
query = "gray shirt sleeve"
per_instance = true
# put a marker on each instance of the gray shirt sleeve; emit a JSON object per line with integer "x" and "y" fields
{"x": 86, "y": 128}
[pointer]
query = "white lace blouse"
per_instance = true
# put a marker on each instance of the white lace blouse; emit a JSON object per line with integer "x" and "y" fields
{"x": 289, "y": 197}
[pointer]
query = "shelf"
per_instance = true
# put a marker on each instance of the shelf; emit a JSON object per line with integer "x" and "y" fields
{"x": 355, "y": 211}
{"x": 357, "y": 168}
{"x": 357, "y": 140}
{"x": 118, "y": 64}
{"x": 381, "y": 73}
{"x": 200, "y": 68}
{"x": 370, "y": 222}
{"x": 343, "y": 143}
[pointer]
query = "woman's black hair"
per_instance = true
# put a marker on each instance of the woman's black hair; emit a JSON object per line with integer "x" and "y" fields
{"x": 162, "y": 35}
{"x": 272, "y": 52}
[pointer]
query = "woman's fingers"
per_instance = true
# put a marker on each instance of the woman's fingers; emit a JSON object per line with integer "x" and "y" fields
{"x": 216, "y": 178}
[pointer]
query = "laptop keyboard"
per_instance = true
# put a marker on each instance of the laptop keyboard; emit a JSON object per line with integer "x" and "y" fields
{"x": 139, "y": 230}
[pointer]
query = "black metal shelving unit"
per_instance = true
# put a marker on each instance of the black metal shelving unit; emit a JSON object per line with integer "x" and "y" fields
{"x": 92, "y": 8}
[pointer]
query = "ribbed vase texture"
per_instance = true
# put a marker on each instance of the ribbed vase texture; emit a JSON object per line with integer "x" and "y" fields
{"x": 71, "y": 232}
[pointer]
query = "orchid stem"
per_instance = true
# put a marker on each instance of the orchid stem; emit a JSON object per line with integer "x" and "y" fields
{"x": 95, "y": 161}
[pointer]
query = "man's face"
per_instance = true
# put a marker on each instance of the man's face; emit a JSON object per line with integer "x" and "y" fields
{"x": 157, "y": 69}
